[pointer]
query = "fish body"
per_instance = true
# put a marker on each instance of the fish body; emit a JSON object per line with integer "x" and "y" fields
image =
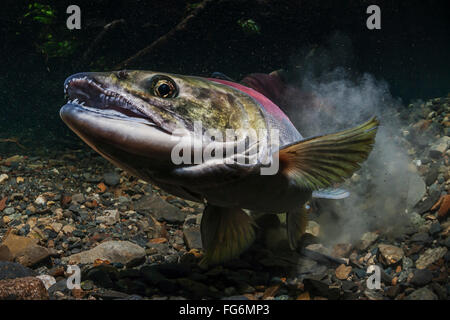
{"x": 136, "y": 119}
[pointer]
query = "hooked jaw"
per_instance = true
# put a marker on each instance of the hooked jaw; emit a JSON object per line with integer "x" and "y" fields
{"x": 111, "y": 121}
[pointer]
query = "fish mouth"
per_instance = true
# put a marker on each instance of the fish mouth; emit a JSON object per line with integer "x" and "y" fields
{"x": 86, "y": 93}
{"x": 113, "y": 123}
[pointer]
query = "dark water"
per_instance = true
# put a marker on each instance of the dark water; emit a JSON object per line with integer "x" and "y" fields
{"x": 410, "y": 52}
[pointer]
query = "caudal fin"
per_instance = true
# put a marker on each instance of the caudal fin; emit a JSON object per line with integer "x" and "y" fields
{"x": 319, "y": 162}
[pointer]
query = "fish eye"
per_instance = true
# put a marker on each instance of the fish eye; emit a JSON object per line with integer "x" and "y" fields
{"x": 164, "y": 87}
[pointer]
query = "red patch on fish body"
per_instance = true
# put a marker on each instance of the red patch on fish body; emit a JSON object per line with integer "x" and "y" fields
{"x": 265, "y": 102}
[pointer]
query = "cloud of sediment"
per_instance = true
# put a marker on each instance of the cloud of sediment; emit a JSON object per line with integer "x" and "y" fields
{"x": 332, "y": 98}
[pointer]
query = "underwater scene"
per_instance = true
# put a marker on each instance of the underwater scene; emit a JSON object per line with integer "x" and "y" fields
{"x": 225, "y": 150}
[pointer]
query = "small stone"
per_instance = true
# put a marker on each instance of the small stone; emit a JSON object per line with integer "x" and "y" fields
{"x": 9, "y": 211}
{"x": 68, "y": 229}
{"x": 416, "y": 189}
{"x": 313, "y": 228}
{"x": 438, "y": 148}
{"x": 366, "y": 240}
{"x": 422, "y": 294}
{"x": 47, "y": 280}
{"x": 422, "y": 277}
{"x": 391, "y": 254}
{"x": 192, "y": 237}
{"x": 114, "y": 251}
{"x": 161, "y": 209}
{"x": 3, "y": 177}
{"x": 78, "y": 198}
{"x": 27, "y": 288}
{"x": 40, "y": 200}
{"x": 111, "y": 179}
{"x": 102, "y": 187}
{"x": 111, "y": 217}
{"x": 421, "y": 237}
{"x": 430, "y": 256}
{"x": 12, "y": 270}
{"x": 342, "y": 272}
{"x": 435, "y": 228}
{"x": 5, "y": 254}
{"x": 32, "y": 255}
{"x": 342, "y": 250}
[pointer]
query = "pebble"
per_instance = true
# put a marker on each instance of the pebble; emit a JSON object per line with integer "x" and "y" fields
{"x": 113, "y": 251}
{"x": 111, "y": 179}
{"x": 438, "y": 148}
{"x": 422, "y": 294}
{"x": 47, "y": 280}
{"x": 27, "y": 288}
{"x": 192, "y": 237}
{"x": 111, "y": 217}
{"x": 343, "y": 271}
{"x": 12, "y": 270}
{"x": 366, "y": 240}
{"x": 391, "y": 254}
{"x": 422, "y": 277}
{"x": 3, "y": 177}
{"x": 430, "y": 256}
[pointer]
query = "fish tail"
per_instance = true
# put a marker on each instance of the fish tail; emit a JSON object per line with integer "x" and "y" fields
{"x": 226, "y": 233}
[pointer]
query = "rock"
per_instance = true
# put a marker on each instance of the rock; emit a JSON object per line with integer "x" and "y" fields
{"x": 321, "y": 289}
{"x": 78, "y": 198}
{"x": 47, "y": 280}
{"x": 192, "y": 237}
{"x": 12, "y": 270}
{"x": 111, "y": 217}
{"x": 8, "y": 211}
{"x": 416, "y": 189}
{"x": 422, "y": 294}
{"x": 342, "y": 250}
{"x": 391, "y": 254}
{"x": 421, "y": 237}
{"x": 435, "y": 228}
{"x": 432, "y": 175}
{"x": 151, "y": 275}
{"x": 5, "y": 254}
{"x": 407, "y": 263}
{"x": 113, "y": 251}
{"x": 161, "y": 209}
{"x": 103, "y": 275}
{"x": 366, "y": 240}
{"x": 174, "y": 270}
{"x": 25, "y": 250}
{"x": 3, "y": 177}
{"x": 196, "y": 289}
{"x": 342, "y": 272}
{"x": 111, "y": 179}
{"x": 313, "y": 228}
{"x": 438, "y": 148}
{"x": 32, "y": 255}
{"x": 422, "y": 277}
{"x": 27, "y": 288}
{"x": 430, "y": 256}
{"x": 41, "y": 200}
{"x": 68, "y": 229}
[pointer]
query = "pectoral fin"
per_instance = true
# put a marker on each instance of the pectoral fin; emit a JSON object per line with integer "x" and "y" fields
{"x": 319, "y": 162}
{"x": 296, "y": 222}
{"x": 226, "y": 233}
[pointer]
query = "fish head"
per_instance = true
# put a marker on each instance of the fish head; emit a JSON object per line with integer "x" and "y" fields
{"x": 135, "y": 118}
